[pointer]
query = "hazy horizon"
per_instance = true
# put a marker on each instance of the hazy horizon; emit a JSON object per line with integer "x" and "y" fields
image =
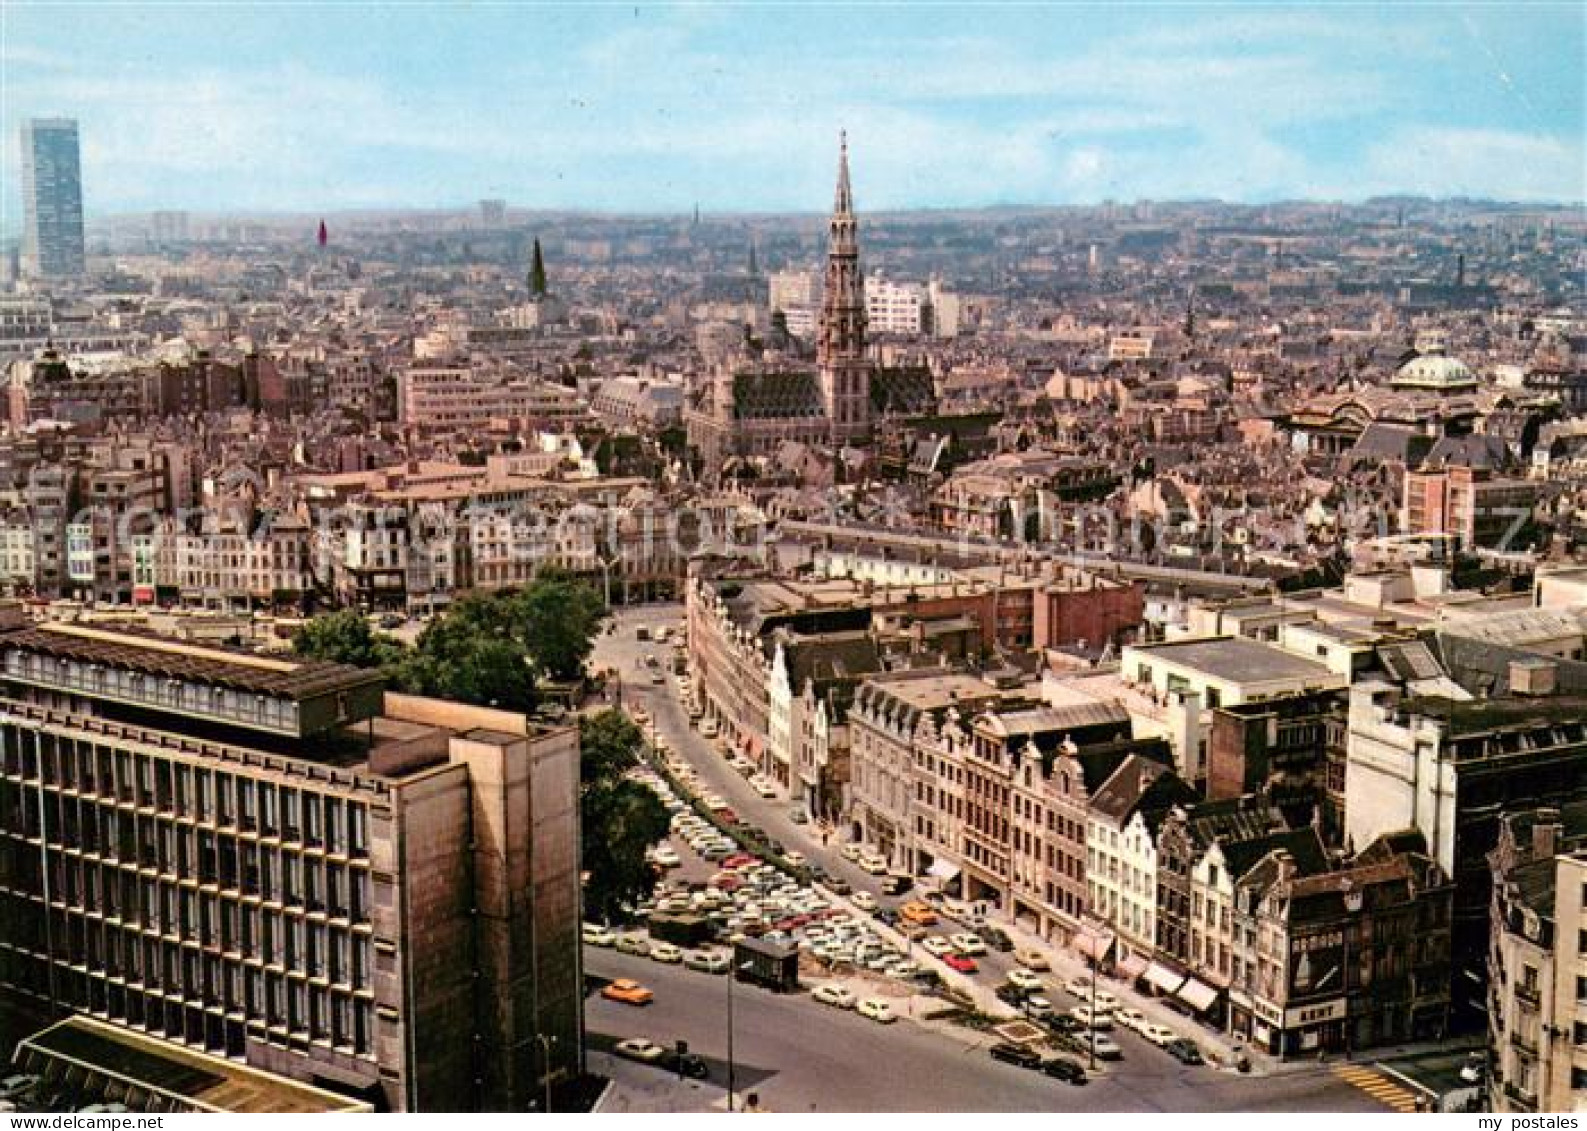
{"x": 644, "y": 110}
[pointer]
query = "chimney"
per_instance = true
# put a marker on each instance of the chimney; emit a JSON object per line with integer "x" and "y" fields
{"x": 1286, "y": 865}
{"x": 1534, "y": 677}
{"x": 1545, "y": 834}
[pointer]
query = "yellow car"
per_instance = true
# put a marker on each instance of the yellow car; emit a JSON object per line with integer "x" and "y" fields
{"x": 629, "y": 992}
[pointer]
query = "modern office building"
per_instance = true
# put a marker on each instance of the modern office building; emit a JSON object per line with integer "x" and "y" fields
{"x": 52, "y": 199}
{"x": 277, "y": 863}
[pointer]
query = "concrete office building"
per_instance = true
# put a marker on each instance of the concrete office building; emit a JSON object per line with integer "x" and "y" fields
{"x": 52, "y": 199}
{"x": 277, "y": 863}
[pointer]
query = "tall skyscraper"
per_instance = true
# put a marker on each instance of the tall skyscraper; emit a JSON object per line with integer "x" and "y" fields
{"x": 840, "y": 346}
{"x": 52, "y": 199}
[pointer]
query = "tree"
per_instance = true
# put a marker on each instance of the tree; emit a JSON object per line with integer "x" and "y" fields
{"x": 622, "y": 818}
{"x": 537, "y": 272}
{"x": 609, "y": 745}
{"x": 557, "y": 619}
{"x": 471, "y": 655}
{"x": 345, "y": 637}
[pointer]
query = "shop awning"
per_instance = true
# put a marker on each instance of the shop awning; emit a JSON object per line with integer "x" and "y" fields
{"x": 1163, "y": 978}
{"x": 1094, "y": 944}
{"x": 1198, "y": 995}
{"x": 943, "y": 869}
{"x": 1133, "y": 966}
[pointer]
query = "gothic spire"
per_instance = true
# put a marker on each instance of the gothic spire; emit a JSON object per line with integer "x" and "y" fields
{"x": 842, "y": 326}
{"x": 843, "y": 200}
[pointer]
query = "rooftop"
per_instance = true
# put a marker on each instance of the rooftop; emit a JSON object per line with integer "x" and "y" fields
{"x": 113, "y": 1064}
{"x": 173, "y": 659}
{"x": 1236, "y": 660}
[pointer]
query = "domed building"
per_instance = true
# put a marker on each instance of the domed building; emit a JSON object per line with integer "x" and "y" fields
{"x": 1436, "y": 371}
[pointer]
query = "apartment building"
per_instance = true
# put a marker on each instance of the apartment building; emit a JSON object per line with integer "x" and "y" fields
{"x": 272, "y": 862}
{"x": 1537, "y": 963}
{"x": 1343, "y": 959}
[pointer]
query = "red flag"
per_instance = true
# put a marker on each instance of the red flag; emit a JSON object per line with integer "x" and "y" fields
{"x": 324, "y": 235}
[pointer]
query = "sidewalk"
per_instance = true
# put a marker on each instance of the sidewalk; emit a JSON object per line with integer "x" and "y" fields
{"x": 1068, "y": 964}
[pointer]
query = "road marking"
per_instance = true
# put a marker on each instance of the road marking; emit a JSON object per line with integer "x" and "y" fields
{"x": 1378, "y": 1086}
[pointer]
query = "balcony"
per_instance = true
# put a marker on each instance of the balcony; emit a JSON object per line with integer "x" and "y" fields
{"x": 1519, "y": 1098}
{"x": 1527, "y": 995}
{"x": 1525, "y": 1042}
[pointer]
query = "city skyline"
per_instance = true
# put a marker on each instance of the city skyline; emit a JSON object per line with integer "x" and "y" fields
{"x": 736, "y": 108}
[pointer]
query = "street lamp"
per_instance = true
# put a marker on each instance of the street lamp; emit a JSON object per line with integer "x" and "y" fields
{"x": 732, "y": 1065}
{"x": 1091, "y": 1039}
{"x": 546, "y": 1045}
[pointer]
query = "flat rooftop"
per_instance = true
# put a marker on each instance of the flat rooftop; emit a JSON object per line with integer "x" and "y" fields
{"x": 1236, "y": 660}
{"x": 119, "y": 1065}
{"x": 167, "y": 658}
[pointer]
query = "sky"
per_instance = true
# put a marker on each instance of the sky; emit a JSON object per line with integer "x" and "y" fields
{"x": 321, "y": 107}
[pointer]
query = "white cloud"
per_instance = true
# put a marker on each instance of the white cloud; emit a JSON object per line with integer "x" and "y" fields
{"x": 1501, "y": 164}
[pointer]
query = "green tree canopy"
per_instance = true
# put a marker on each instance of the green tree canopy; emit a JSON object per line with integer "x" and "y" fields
{"x": 622, "y": 818}
{"x": 558, "y": 617}
{"x": 344, "y": 637}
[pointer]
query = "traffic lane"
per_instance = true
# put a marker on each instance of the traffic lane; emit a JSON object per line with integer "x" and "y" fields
{"x": 801, "y": 1056}
{"x": 770, "y": 815}
{"x": 718, "y": 776}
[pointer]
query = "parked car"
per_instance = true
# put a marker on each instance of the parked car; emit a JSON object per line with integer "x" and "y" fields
{"x": 1159, "y": 1035}
{"x": 1090, "y": 1020}
{"x": 1127, "y": 1018}
{"x": 1103, "y": 1046}
{"x": 961, "y": 962}
{"x": 895, "y": 884}
{"x": 666, "y": 952}
{"x": 1010, "y": 1053}
{"x": 628, "y": 991}
{"x": 937, "y": 946}
{"x": 966, "y": 943}
{"x": 997, "y": 939}
{"x": 596, "y": 935}
{"x": 706, "y": 961}
{"x": 1031, "y": 958}
{"x": 1184, "y": 1051}
{"x": 835, "y": 996}
{"x": 877, "y": 1010}
{"x": 875, "y": 865}
{"x": 633, "y": 944}
{"x": 864, "y": 900}
{"x": 1038, "y": 1006}
{"x": 1024, "y": 980}
{"x": 1062, "y": 1068}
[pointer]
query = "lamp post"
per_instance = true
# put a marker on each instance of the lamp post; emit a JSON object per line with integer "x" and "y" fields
{"x": 732, "y": 1065}
{"x": 546, "y": 1045}
{"x": 1091, "y": 1039}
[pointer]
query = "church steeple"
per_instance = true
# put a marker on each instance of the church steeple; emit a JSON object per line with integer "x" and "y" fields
{"x": 842, "y": 330}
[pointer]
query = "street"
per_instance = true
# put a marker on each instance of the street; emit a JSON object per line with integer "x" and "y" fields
{"x": 800, "y": 1055}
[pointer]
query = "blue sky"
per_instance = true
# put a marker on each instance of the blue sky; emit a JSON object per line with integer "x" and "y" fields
{"x": 319, "y": 107}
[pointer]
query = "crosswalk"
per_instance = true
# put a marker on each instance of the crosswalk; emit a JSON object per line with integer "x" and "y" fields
{"x": 1374, "y": 1083}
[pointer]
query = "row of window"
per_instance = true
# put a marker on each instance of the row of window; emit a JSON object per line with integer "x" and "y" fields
{"x": 261, "y": 1004}
{"x": 319, "y": 820}
{"x": 116, "y": 842}
{"x": 232, "y": 938}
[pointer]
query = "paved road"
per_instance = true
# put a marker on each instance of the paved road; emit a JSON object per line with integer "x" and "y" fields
{"x": 952, "y": 1072}
{"x": 798, "y": 1055}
